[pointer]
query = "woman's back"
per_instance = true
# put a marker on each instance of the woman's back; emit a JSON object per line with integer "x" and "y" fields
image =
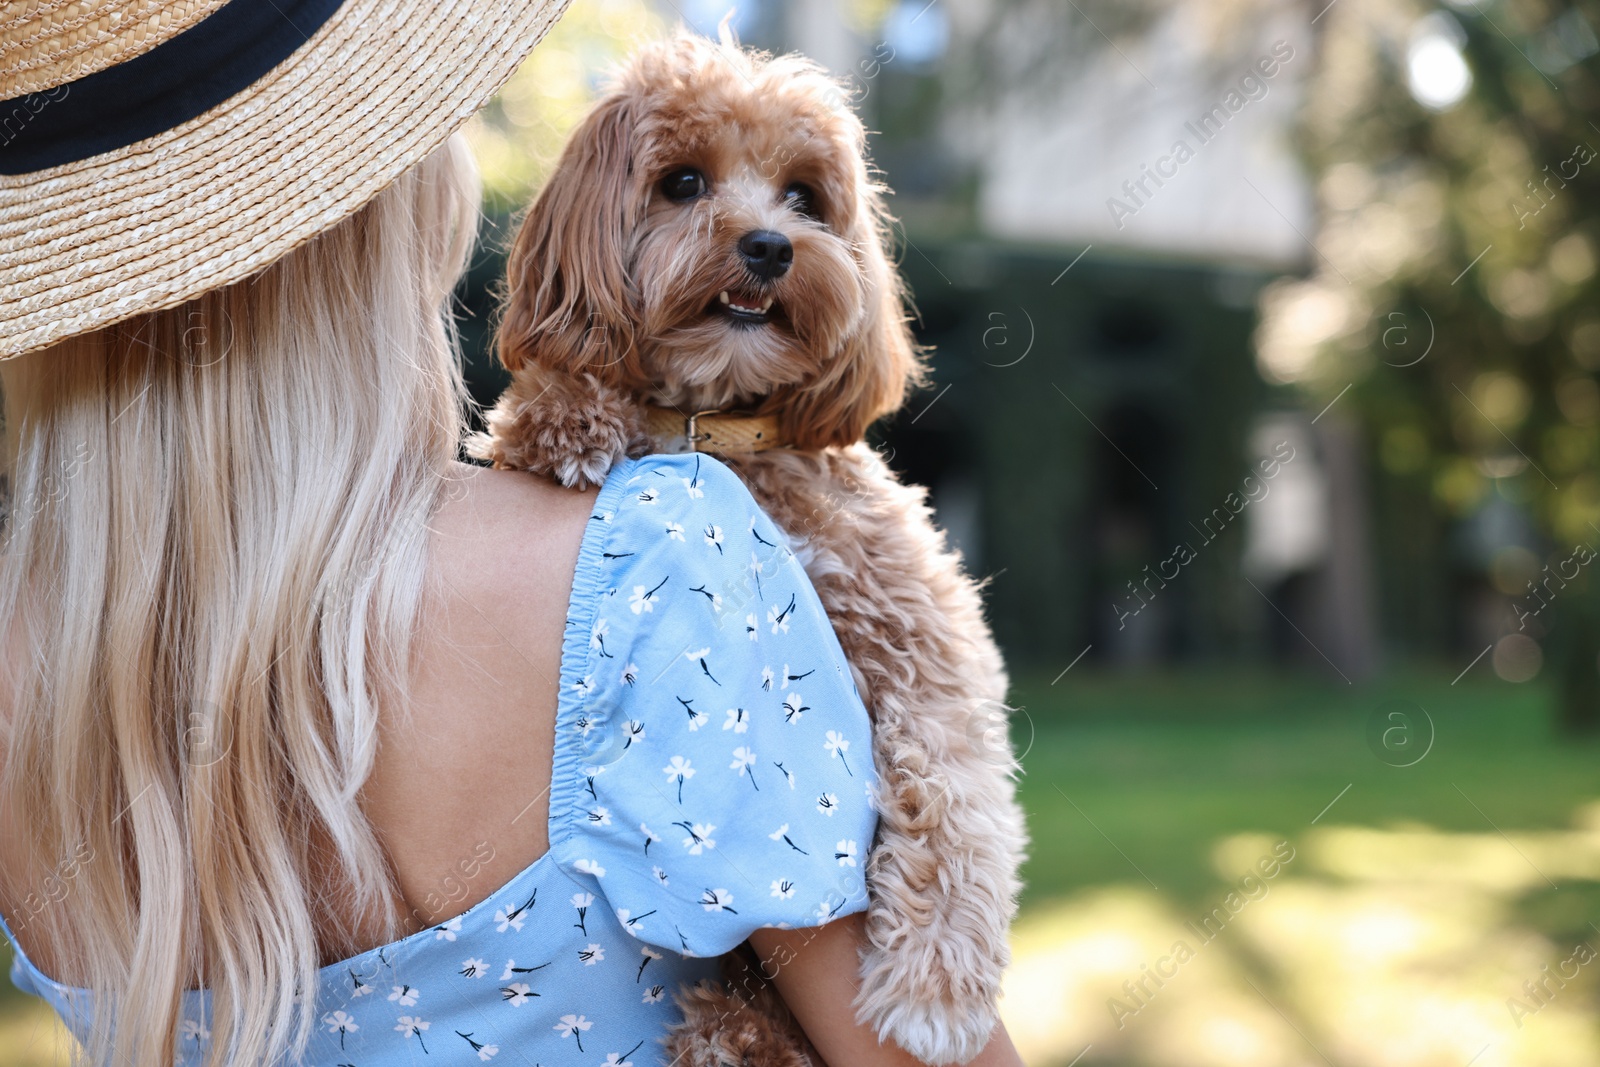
{"x": 305, "y": 728}
{"x": 502, "y": 547}
{"x": 638, "y": 658}
{"x": 459, "y": 793}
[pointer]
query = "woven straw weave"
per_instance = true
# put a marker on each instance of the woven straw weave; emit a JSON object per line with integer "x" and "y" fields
{"x": 45, "y": 43}
{"x": 378, "y": 87}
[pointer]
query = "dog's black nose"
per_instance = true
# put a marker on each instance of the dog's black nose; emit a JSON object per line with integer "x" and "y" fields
{"x": 767, "y": 254}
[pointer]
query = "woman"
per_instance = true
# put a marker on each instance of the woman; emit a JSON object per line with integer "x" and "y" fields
{"x": 320, "y": 746}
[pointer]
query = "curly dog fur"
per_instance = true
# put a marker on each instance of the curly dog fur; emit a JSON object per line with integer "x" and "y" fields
{"x": 739, "y": 1023}
{"x": 619, "y": 295}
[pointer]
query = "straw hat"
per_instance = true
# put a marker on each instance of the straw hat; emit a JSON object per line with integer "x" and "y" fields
{"x": 151, "y": 150}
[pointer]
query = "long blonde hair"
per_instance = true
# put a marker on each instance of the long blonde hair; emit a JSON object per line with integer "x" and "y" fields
{"x": 213, "y": 562}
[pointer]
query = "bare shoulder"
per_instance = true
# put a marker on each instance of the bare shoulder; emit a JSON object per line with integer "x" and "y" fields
{"x": 481, "y": 704}
{"x": 503, "y": 546}
{"x": 491, "y": 519}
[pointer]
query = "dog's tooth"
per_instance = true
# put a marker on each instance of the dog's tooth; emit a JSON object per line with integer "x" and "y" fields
{"x": 766, "y": 305}
{"x": 724, "y": 296}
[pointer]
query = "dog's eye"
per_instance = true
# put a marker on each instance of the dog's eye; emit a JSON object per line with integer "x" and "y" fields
{"x": 685, "y": 184}
{"x": 800, "y": 197}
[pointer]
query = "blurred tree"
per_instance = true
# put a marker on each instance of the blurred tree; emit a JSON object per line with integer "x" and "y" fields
{"x": 518, "y": 136}
{"x": 1453, "y": 291}
{"x": 517, "y": 139}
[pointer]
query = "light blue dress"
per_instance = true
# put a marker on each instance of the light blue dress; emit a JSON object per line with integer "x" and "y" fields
{"x": 712, "y": 775}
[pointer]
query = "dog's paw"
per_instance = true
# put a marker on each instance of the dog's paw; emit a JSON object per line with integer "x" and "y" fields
{"x": 572, "y": 428}
{"x": 935, "y": 1032}
{"x": 935, "y": 989}
{"x": 583, "y": 470}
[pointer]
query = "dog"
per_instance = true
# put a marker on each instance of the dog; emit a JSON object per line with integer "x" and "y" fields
{"x": 706, "y": 268}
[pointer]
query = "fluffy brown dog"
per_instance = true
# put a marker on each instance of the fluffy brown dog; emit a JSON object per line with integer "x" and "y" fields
{"x": 711, "y": 242}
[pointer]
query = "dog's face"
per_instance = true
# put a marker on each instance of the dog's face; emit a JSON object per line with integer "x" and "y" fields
{"x": 710, "y": 239}
{"x": 743, "y": 255}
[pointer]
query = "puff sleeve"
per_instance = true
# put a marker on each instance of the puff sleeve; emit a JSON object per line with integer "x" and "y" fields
{"x": 713, "y": 766}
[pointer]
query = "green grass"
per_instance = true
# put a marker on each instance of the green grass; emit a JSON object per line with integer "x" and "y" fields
{"x": 1162, "y": 765}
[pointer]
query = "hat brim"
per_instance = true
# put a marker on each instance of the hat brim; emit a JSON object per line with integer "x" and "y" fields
{"x": 376, "y": 89}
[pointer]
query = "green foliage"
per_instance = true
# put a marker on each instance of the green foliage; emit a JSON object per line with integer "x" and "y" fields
{"x": 1453, "y": 284}
{"x": 1474, "y": 228}
{"x": 519, "y": 135}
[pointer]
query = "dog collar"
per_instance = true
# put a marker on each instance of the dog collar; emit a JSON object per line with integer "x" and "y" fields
{"x": 712, "y": 431}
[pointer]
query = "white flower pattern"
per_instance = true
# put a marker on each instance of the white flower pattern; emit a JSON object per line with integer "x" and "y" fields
{"x": 645, "y": 668}
{"x": 337, "y": 1022}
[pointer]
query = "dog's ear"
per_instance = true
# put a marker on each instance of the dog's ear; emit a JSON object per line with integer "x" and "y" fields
{"x": 876, "y": 364}
{"x": 570, "y": 302}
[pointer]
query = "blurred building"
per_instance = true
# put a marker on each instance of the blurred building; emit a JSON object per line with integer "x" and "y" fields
{"x": 1086, "y": 240}
{"x": 1091, "y": 202}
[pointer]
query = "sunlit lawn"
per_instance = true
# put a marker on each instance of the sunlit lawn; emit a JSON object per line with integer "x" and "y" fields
{"x": 1395, "y": 935}
{"x": 1163, "y": 765}
{"x": 1414, "y": 906}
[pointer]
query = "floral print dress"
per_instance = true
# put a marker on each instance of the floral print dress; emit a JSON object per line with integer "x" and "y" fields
{"x": 712, "y": 775}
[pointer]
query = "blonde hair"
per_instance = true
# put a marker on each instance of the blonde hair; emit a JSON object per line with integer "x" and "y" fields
{"x": 212, "y": 566}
